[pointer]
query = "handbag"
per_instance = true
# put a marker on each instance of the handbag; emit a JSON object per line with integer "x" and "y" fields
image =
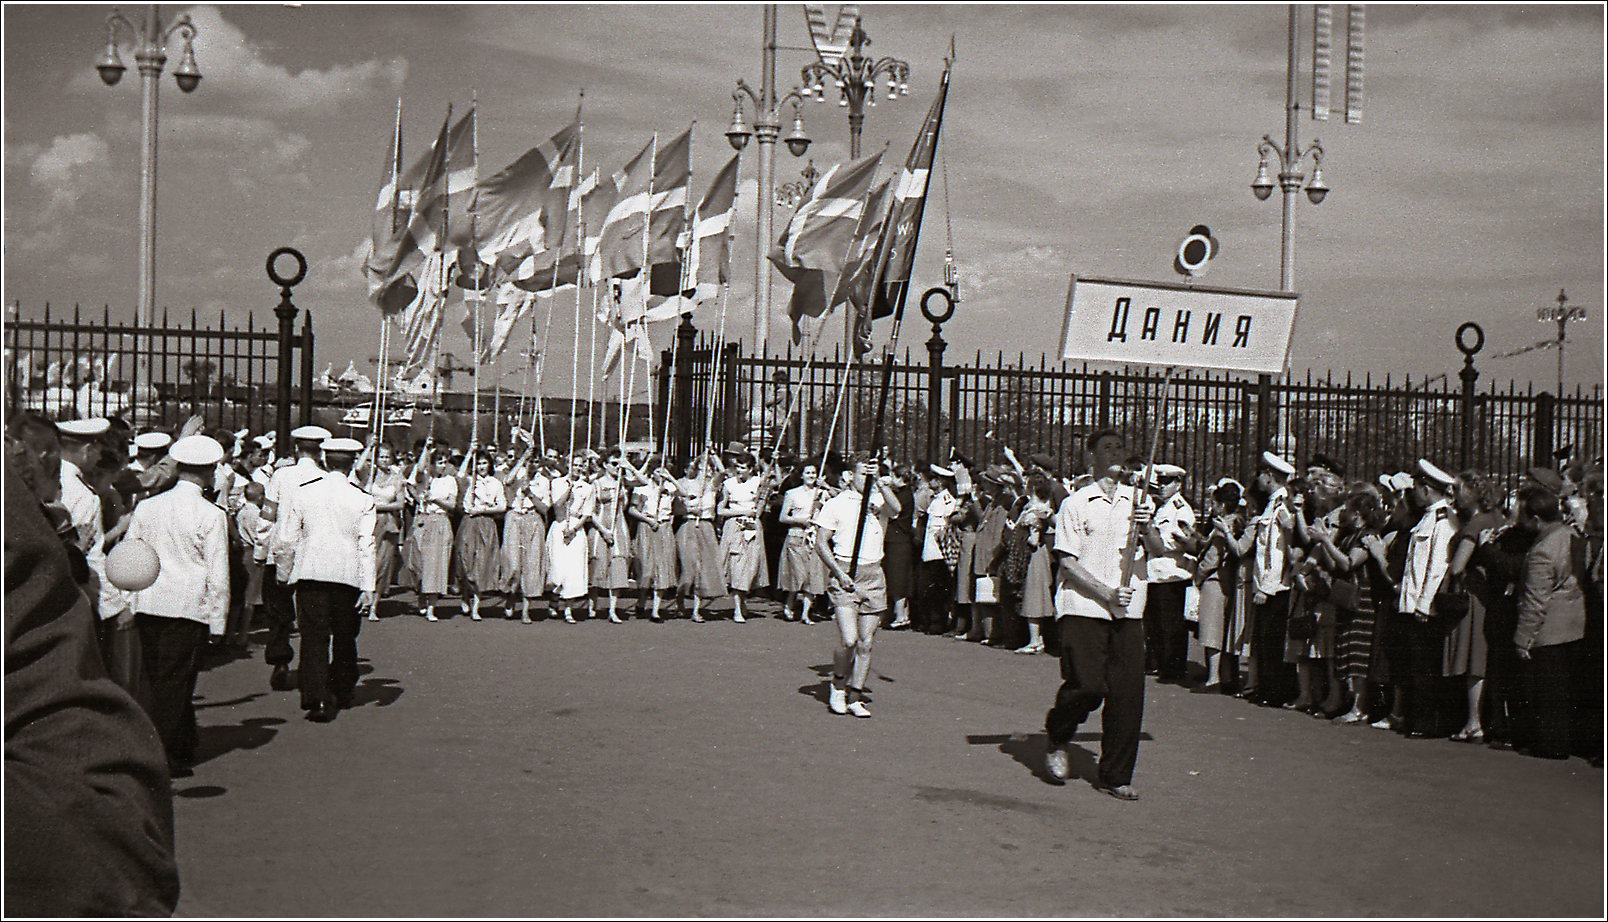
{"x": 949, "y": 544}
{"x": 1450, "y": 602}
{"x": 986, "y": 591}
{"x": 1345, "y": 594}
{"x": 1303, "y": 620}
{"x": 1019, "y": 555}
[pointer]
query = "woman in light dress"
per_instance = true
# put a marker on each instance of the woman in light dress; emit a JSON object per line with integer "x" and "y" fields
{"x": 478, "y": 550}
{"x": 742, "y": 548}
{"x": 611, "y": 540}
{"x": 529, "y": 486}
{"x": 430, "y": 544}
{"x": 653, "y": 550}
{"x": 569, "y": 554}
{"x": 1220, "y": 580}
{"x": 801, "y": 573}
{"x": 388, "y": 484}
{"x": 697, "y": 548}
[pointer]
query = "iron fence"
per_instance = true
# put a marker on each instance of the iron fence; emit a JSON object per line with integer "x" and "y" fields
{"x": 1216, "y": 425}
{"x": 157, "y": 376}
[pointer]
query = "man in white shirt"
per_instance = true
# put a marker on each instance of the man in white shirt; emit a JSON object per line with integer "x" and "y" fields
{"x": 1171, "y": 543}
{"x": 326, "y": 535}
{"x": 1270, "y": 584}
{"x": 80, "y": 446}
{"x": 1099, "y": 605}
{"x": 277, "y": 598}
{"x": 855, "y": 582}
{"x": 190, "y": 598}
{"x": 1428, "y": 558}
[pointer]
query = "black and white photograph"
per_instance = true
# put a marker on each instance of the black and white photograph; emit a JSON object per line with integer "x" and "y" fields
{"x": 736, "y": 460}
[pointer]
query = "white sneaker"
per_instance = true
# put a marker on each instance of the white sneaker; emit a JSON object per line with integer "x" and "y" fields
{"x": 837, "y": 700}
{"x": 1057, "y": 763}
{"x": 858, "y": 709}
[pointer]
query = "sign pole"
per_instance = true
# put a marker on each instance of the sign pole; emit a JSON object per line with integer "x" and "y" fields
{"x": 1155, "y": 442}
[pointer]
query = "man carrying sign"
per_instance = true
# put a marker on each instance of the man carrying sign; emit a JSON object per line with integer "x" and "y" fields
{"x": 1099, "y": 606}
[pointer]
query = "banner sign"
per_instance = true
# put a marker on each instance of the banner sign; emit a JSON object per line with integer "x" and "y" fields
{"x": 1190, "y": 326}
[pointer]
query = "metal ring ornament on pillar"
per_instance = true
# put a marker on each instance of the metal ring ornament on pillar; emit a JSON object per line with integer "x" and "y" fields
{"x": 301, "y": 267}
{"x": 949, "y": 301}
{"x": 1479, "y": 341}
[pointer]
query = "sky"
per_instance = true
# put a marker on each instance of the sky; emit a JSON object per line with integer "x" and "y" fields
{"x": 1077, "y": 139}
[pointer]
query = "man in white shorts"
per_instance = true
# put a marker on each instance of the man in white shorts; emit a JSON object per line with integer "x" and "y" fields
{"x": 858, "y": 599}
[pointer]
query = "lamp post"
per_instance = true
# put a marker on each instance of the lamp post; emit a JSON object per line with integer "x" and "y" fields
{"x": 855, "y": 77}
{"x": 1290, "y": 158}
{"x": 1290, "y": 179}
{"x": 768, "y": 126}
{"x": 150, "y": 55}
{"x": 1561, "y": 315}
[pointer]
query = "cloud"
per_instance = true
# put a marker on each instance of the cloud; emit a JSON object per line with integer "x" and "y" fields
{"x": 255, "y": 153}
{"x": 69, "y": 167}
{"x": 237, "y": 73}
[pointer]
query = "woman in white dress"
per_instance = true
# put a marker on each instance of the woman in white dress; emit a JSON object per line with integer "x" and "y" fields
{"x": 742, "y": 548}
{"x": 569, "y": 556}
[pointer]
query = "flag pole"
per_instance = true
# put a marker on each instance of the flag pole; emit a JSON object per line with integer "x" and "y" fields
{"x": 646, "y": 275}
{"x": 591, "y": 381}
{"x": 540, "y": 418}
{"x": 474, "y": 280}
{"x": 575, "y": 345}
{"x": 1131, "y": 545}
{"x": 898, "y": 314}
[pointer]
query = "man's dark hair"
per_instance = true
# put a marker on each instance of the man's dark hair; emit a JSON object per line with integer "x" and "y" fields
{"x": 1540, "y": 503}
{"x": 1098, "y": 434}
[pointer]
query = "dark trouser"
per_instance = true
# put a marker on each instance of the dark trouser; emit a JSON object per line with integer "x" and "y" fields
{"x": 1428, "y": 708}
{"x": 280, "y": 604}
{"x": 1506, "y": 710}
{"x": 1275, "y": 679}
{"x": 935, "y": 596}
{"x": 1102, "y": 663}
{"x": 1166, "y": 632}
{"x": 1547, "y": 678}
{"x": 171, "y": 649}
{"x": 327, "y": 616}
{"x": 1588, "y": 680}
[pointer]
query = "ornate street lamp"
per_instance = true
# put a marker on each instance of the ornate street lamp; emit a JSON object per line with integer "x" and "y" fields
{"x": 788, "y": 195}
{"x": 855, "y": 78}
{"x": 1562, "y": 315}
{"x": 767, "y": 126}
{"x": 150, "y": 55}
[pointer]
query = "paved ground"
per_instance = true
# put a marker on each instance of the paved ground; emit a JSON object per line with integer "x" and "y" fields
{"x": 498, "y": 769}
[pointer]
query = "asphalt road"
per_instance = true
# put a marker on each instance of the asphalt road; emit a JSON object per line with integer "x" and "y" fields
{"x": 500, "y": 769}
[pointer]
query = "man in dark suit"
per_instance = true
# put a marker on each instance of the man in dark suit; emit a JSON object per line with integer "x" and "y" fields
{"x": 89, "y": 810}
